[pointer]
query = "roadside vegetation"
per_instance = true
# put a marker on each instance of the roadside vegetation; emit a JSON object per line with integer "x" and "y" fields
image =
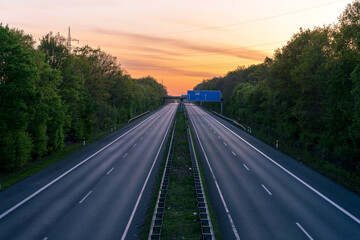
{"x": 181, "y": 218}
{"x": 307, "y": 96}
{"x": 51, "y": 97}
{"x": 181, "y": 215}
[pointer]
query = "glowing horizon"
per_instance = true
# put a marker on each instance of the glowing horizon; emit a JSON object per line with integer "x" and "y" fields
{"x": 180, "y": 44}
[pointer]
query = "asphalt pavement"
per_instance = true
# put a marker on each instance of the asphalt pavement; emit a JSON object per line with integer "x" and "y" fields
{"x": 100, "y": 192}
{"x": 259, "y": 193}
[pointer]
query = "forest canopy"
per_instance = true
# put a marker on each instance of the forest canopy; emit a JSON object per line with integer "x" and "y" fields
{"x": 308, "y": 92}
{"x": 50, "y": 95}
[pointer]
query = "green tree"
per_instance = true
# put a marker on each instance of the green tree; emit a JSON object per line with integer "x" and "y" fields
{"x": 18, "y": 74}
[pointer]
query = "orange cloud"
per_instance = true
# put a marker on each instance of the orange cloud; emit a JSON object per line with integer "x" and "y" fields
{"x": 180, "y": 45}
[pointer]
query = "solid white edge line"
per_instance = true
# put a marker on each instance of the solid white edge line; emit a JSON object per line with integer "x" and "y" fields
{"x": 143, "y": 188}
{"x": 267, "y": 190}
{"x": 217, "y": 186}
{"x": 109, "y": 171}
{"x": 291, "y": 174}
{"x": 70, "y": 170}
{"x": 83, "y": 199}
{"x": 304, "y": 231}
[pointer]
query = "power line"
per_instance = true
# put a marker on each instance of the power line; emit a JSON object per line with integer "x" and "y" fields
{"x": 254, "y": 20}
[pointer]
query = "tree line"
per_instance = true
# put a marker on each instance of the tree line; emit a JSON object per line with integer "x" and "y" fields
{"x": 308, "y": 91}
{"x": 50, "y": 95}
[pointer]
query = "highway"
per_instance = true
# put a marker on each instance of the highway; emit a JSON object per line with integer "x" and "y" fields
{"x": 259, "y": 193}
{"x": 101, "y": 192}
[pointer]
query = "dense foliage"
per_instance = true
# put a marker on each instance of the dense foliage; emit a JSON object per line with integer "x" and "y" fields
{"x": 308, "y": 93}
{"x": 49, "y": 96}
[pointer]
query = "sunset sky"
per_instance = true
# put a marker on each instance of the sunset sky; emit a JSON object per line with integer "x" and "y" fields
{"x": 178, "y": 42}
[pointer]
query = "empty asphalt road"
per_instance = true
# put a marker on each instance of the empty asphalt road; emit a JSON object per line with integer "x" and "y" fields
{"x": 259, "y": 193}
{"x": 101, "y": 192}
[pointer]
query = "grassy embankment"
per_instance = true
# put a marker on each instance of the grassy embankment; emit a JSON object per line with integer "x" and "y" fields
{"x": 328, "y": 169}
{"x": 313, "y": 160}
{"x": 40, "y": 164}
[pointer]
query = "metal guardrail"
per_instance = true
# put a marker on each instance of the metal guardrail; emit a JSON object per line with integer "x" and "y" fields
{"x": 158, "y": 215}
{"x": 205, "y": 220}
{"x": 231, "y": 120}
{"x": 138, "y": 116}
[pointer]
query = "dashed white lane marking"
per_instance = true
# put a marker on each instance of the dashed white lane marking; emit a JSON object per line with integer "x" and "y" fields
{"x": 225, "y": 143}
{"x": 233, "y": 153}
{"x": 217, "y": 186}
{"x": 267, "y": 190}
{"x": 141, "y": 138}
{"x": 218, "y": 137}
{"x": 109, "y": 171}
{"x": 82, "y": 200}
{"x": 45, "y": 238}
{"x": 291, "y": 174}
{"x": 134, "y": 145}
{"x": 145, "y": 183}
{"x": 246, "y": 167}
{"x": 125, "y": 155}
{"x": 304, "y": 231}
{"x": 70, "y": 170}
{"x": 214, "y": 132}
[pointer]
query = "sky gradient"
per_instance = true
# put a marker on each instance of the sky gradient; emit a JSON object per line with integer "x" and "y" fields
{"x": 180, "y": 43}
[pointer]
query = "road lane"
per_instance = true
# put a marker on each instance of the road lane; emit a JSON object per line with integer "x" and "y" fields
{"x": 246, "y": 178}
{"x": 44, "y": 212}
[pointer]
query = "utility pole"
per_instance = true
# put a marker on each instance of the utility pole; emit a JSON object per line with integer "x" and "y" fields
{"x": 69, "y": 40}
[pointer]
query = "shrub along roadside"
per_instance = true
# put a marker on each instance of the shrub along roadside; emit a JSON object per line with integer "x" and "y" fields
{"x": 37, "y": 165}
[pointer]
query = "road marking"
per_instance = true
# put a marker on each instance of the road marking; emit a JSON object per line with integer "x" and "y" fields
{"x": 109, "y": 171}
{"x": 246, "y": 167}
{"x": 71, "y": 169}
{"x": 225, "y": 143}
{"x": 125, "y": 155}
{"x": 145, "y": 183}
{"x": 304, "y": 231}
{"x": 214, "y": 132}
{"x": 217, "y": 187}
{"x": 45, "y": 238}
{"x": 267, "y": 190}
{"x": 141, "y": 138}
{"x": 218, "y": 137}
{"x": 134, "y": 145}
{"x": 233, "y": 153}
{"x": 291, "y": 174}
{"x": 81, "y": 201}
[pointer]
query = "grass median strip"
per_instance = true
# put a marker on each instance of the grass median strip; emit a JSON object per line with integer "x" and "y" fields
{"x": 184, "y": 207}
{"x": 181, "y": 219}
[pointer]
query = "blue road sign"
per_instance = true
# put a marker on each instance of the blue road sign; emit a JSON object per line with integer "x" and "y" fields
{"x": 204, "y": 96}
